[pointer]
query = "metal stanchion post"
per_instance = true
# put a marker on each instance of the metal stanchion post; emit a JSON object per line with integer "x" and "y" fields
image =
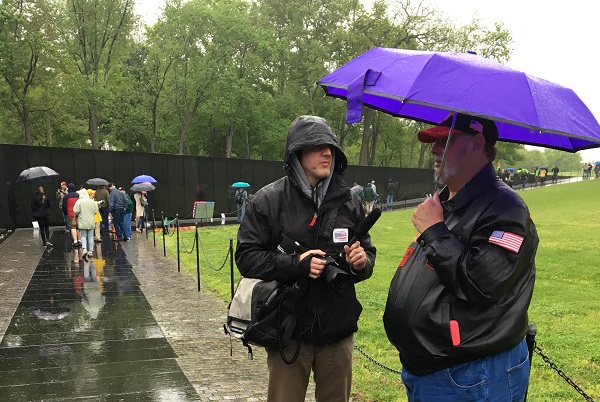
{"x": 162, "y": 218}
{"x": 530, "y": 340}
{"x": 154, "y": 227}
{"x": 231, "y": 263}
{"x": 178, "y": 257}
{"x": 197, "y": 257}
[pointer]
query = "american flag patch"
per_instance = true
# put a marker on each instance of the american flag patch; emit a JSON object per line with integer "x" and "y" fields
{"x": 509, "y": 241}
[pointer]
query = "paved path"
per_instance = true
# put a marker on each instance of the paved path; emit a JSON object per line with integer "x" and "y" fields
{"x": 191, "y": 321}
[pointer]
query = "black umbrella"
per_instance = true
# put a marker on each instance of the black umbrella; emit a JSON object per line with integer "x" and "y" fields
{"x": 97, "y": 181}
{"x": 37, "y": 174}
{"x": 142, "y": 187}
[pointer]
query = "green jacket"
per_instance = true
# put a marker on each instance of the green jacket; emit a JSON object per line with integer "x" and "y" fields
{"x": 129, "y": 205}
{"x": 368, "y": 193}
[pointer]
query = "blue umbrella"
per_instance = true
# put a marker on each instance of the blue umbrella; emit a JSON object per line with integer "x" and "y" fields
{"x": 597, "y": 163}
{"x": 510, "y": 169}
{"x": 144, "y": 178}
{"x": 240, "y": 184}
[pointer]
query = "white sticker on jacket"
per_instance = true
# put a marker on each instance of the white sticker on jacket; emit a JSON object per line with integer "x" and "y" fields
{"x": 340, "y": 236}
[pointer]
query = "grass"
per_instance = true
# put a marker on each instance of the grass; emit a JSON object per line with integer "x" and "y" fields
{"x": 565, "y": 305}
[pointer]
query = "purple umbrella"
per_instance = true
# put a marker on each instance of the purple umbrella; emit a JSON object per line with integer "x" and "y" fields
{"x": 426, "y": 86}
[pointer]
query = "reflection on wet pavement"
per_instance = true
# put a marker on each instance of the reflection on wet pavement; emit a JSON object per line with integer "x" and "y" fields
{"x": 84, "y": 331}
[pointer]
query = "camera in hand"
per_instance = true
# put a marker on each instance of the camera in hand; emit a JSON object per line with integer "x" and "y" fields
{"x": 334, "y": 275}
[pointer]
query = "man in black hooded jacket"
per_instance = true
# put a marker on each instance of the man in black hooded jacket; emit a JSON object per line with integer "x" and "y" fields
{"x": 312, "y": 209}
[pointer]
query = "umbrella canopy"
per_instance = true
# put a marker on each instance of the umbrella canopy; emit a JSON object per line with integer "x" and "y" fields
{"x": 143, "y": 178}
{"x": 521, "y": 170}
{"x": 597, "y": 163}
{"x": 240, "y": 184}
{"x": 426, "y": 86}
{"x": 510, "y": 169}
{"x": 37, "y": 174}
{"x": 97, "y": 181}
{"x": 142, "y": 187}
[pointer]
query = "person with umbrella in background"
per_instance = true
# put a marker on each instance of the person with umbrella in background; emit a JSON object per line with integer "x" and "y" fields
{"x": 457, "y": 305}
{"x": 241, "y": 199}
{"x": 117, "y": 205}
{"x": 141, "y": 203}
{"x": 128, "y": 213}
{"x": 40, "y": 205}
{"x": 101, "y": 197}
{"x": 555, "y": 171}
{"x": 389, "y": 193}
{"x": 60, "y": 195}
{"x": 68, "y": 205}
{"x": 85, "y": 210}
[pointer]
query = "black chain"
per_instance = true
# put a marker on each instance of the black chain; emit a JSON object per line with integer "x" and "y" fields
{"x": 365, "y": 354}
{"x": 562, "y": 374}
{"x": 536, "y": 349}
{"x": 206, "y": 257}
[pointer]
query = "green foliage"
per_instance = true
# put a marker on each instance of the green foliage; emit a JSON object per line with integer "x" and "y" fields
{"x": 216, "y": 78}
{"x": 564, "y": 306}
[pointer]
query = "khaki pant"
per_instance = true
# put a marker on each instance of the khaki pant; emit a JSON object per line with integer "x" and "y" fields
{"x": 331, "y": 364}
{"x": 97, "y": 231}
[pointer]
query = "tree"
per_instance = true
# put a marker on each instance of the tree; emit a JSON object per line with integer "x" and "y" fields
{"x": 95, "y": 33}
{"x": 25, "y": 29}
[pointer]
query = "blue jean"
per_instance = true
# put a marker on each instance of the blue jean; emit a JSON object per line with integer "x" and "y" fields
{"x": 118, "y": 214}
{"x": 241, "y": 210}
{"x": 87, "y": 239}
{"x": 127, "y": 224}
{"x": 498, "y": 378}
{"x": 104, "y": 215}
{"x": 389, "y": 201}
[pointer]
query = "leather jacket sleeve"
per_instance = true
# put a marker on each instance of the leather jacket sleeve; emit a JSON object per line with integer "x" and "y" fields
{"x": 474, "y": 269}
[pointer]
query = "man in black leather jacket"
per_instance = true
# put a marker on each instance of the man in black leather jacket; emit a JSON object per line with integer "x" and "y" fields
{"x": 312, "y": 209}
{"x": 457, "y": 305}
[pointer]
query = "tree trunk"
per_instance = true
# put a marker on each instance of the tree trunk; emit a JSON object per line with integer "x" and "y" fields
{"x": 49, "y": 132}
{"x": 229, "y": 141}
{"x": 363, "y": 158}
{"x": 342, "y": 131}
{"x": 154, "y": 127}
{"x": 373, "y": 146}
{"x": 24, "y": 113}
{"x": 183, "y": 131}
{"x": 212, "y": 151}
{"x": 424, "y": 148}
{"x": 94, "y": 124}
{"x": 247, "y": 143}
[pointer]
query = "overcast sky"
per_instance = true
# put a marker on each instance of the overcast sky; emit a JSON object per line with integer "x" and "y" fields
{"x": 552, "y": 40}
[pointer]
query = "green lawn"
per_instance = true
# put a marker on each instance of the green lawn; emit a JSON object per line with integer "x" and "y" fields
{"x": 565, "y": 306}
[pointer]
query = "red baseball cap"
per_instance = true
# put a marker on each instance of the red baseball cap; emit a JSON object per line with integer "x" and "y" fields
{"x": 464, "y": 124}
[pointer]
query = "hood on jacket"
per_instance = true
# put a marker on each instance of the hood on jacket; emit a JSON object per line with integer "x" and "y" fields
{"x": 83, "y": 193}
{"x": 306, "y": 131}
{"x": 72, "y": 188}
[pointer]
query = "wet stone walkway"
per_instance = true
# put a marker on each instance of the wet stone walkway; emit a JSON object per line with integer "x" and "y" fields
{"x": 123, "y": 325}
